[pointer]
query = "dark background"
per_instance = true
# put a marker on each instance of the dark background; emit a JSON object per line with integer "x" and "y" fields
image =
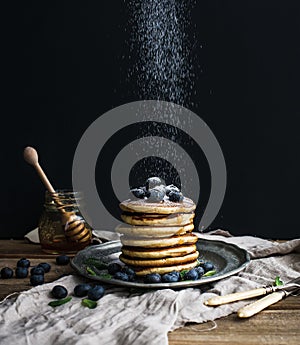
{"x": 63, "y": 68}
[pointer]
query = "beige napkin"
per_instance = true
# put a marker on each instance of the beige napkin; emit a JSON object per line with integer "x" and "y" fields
{"x": 144, "y": 317}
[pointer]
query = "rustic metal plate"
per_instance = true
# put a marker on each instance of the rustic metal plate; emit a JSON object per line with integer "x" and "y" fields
{"x": 227, "y": 258}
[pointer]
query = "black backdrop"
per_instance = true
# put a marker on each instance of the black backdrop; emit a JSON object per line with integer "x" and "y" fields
{"x": 62, "y": 68}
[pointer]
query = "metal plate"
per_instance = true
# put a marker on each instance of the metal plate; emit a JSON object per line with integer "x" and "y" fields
{"x": 228, "y": 259}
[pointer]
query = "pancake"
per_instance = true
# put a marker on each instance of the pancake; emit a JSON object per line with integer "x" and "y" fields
{"x": 179, "y": 260}
{"x": 154, "y": 231}
{"x": 153, "y": 253}
{"x": 159, "y": 242}
{"x": 162, "y": 270}
{"x": 164, "y": 207}
{"x": 164, "y": 220}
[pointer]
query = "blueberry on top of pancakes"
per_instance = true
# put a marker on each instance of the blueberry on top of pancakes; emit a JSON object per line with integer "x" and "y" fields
{"x": 171, "y": 188}
{"x": 153, "y": 182}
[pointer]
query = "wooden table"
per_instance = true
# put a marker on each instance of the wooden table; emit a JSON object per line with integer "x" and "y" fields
{"x": 279, "y": 324}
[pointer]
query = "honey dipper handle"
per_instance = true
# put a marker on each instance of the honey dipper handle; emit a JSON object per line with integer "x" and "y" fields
{"x": 31, "y": 157}
{"x": 44, "y": 179}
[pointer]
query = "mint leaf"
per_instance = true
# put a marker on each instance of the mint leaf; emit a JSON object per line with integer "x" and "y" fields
{"x": 278, "y": 281}
{"x": 89, "y": 303}
{"x": 209, "y": 273}
{"x": 199, "y": 262}
{"x": 90, "y": 271}
{"x": 182, "y": 273}
{"x": 100, "y": 265}
{"x": 60, "y": 302}
{"x": 104, "y": 275}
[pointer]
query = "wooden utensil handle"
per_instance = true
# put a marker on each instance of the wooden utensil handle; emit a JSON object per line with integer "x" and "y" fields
{"x": 237, "y": 296}
{"x": 257, "y": 306}
{"x": 44, "y": 178}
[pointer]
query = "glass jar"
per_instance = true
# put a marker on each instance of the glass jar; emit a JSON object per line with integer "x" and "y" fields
{"x": 62, "y": 228}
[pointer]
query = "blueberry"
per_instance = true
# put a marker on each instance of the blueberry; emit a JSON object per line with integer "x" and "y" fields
{"x": 46, "y": 267}
{"x": 62, "y": 260}
{"x": 95, "y": 293}
{"x": 208, "y": 266}
{"x": 171, "y": 188}
{"x": 153, "y": 182}
{"x": 146, "y": 191}
{"x": 81, "y": 290}
{"x": 176, "y": 274}
{"x": 37, "y": 279}
{"x": 114, "y": 268}
{"x": 138, "y": 192}
{"x": 121, "y": 276}
{"x": 191, "y": 275}
{"x": 37, "y": 271}
{"x": 169, "y": 278}
{"x": 21, "y": 272}
{"x": 6, "y": 273}
{"x": 59, "y": 292}
{"x": 23, "y": 263}
{"x": 130, "y": 272}
{"x": 156, "y": 194}
{"x": 152, "y": 278}
{"x": 200, "y": 271}
{"x": 175, "y": 196}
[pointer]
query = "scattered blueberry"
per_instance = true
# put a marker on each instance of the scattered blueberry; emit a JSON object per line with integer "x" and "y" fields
{"x": 59, "y": 292}
{"x": 37, "y": 271}
{"x": 81, "y": 290}
{"x": 171, "y": 188}
{"x": 175, "y": 196}
{"x": 6, "y": 273}
{"x": 121, "y": 276}
{"x": 23, "y": 263}
{"x": 156, "y": 194}
{"x": 153, "y": 182}
{"x": 200, "y": 271}
{"x": 114, "y": 268}
{"x": 62, "y": 260}
{"x": 152, "y": 278}
{"x": 37, "y": 279}
{"x": 191, "y": 275}
{"x": 170, "y": 277}
{"x": 95, "y": 293}
{"x": 208, "y": 266}
{"x": 46, "y": 267}
{"x": 21, "y": 272}
{"x": 130, "y": 272}
{"x": 138, "y": 192}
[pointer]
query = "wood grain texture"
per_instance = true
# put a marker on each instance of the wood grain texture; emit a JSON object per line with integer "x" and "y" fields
{"x": 278, "y": 324}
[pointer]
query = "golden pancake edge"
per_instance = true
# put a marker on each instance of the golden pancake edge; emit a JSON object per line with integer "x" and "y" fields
{"x": 163, "y": 220}
{"x": 158, "y": 253}
{"x": 164, "y": 207}
{"x": 159, "y": 242}
{"x": 154, "y": 231}
{"x": 166, "y": 269}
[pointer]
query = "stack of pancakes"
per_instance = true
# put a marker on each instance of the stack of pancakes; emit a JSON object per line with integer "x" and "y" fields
{"x": 157, "y": 236}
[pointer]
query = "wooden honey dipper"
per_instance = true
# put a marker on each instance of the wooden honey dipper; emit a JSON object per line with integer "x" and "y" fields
{"x": 74, "y": 225}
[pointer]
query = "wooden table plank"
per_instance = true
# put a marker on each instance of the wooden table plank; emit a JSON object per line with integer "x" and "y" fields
{"x": 279, "y": 324}
{"x": 21, "y": 248}
{"x": 13, "y": 250}
{"x": 267, "y": 327}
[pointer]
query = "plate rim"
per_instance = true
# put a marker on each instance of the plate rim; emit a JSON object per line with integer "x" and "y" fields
{"x": 181, "y": 284}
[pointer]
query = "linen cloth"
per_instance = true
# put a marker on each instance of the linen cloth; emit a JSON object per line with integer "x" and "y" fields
{"x": 125, "y": 317}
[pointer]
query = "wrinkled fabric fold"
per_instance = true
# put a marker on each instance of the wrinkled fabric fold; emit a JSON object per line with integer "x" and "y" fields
{"x": 125, "y": 316}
